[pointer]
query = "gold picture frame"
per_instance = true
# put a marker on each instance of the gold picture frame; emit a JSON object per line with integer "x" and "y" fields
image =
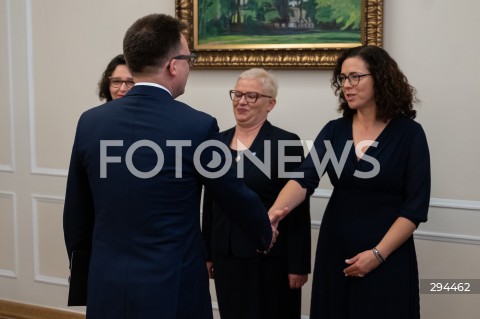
{"x": 277, "y": 56}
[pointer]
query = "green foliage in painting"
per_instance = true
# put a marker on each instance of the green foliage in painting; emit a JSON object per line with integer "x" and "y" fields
{"x": 294, "y": 21}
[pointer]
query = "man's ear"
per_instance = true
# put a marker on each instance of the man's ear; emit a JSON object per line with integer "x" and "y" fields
{"x": 171, "y": 68}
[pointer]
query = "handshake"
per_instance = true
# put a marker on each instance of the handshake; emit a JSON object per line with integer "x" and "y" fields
{"x": 275, "y": 216}
{"x": 289, "y": 198}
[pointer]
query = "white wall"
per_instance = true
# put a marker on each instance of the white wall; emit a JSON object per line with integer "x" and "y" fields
{"x": 52, "y": 53}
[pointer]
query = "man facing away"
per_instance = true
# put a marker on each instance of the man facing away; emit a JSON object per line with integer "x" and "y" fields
{"x": 133, "y": 193}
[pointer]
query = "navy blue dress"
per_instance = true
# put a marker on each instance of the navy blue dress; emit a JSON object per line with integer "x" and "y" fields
{"x": 360, "y": 212}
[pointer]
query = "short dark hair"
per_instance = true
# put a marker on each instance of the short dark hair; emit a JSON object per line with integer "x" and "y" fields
{"x": 104, "y": 83}
{"x": 394, "y": 96}
{"x": 150, "y": 41}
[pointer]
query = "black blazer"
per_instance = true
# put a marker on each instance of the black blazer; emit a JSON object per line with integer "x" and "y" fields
{"x": 294, "y": 240}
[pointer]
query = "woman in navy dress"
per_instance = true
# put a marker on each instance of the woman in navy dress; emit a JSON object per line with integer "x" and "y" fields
{"x": 378, "y": 162}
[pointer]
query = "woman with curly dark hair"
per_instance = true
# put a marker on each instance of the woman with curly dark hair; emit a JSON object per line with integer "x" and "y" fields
{"x": 377, "y": 159}
{"x": 116, "y": 80}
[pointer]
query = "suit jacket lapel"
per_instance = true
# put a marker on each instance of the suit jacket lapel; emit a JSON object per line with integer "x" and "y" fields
{"x": 257, "y": 148}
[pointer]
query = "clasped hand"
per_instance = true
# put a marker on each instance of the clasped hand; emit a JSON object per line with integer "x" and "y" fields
{"x": 275, "y": 217}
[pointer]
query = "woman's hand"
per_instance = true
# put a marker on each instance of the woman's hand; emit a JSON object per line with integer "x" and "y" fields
{"x": 361, "y": 264}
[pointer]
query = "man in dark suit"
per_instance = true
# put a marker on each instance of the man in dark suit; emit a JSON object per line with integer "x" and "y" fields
{"x": 249, "y": 284}
{"x": 133, "y": 193}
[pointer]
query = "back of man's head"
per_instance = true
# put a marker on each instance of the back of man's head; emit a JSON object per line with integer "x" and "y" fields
{"x": 150, "y": 42}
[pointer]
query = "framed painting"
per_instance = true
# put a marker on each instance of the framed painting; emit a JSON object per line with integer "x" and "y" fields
{"x": 278, "y": 34}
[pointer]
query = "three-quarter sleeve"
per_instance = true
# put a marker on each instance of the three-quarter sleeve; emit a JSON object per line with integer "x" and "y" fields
{"x": 417, "y": 179}
{"x": 311, "y": 168}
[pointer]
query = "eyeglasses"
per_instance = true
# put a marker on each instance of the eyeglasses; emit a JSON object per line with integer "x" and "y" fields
{"x": 191, "y": 58}
{"x": 250, "y": 97}
{"x": 353, "y": 78}
{"x": 117, "y": 82}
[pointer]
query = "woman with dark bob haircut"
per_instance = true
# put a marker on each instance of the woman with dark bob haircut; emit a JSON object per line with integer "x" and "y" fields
{"x": 377, "y": 159}
{"x": 116, "y": 80}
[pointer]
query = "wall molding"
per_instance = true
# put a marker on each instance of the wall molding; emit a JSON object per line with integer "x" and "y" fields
{"x": 7, "y": 168}
{"x": 434, "y": 202}
{"x": 12, "y": 273}
{"x": 30, "y": 85}
{"x": 19, "y": 310}
{"x": 461, "y": 206}
{"x": 455, "y": 204}
{"x": 31, "y": 103}
{"x": 49, "y": 171}
{"x": 8, "y": 273}
{"x": 36, "y": 244}
{"x": 446, "y": 237}
{"x": 8, "y": 21}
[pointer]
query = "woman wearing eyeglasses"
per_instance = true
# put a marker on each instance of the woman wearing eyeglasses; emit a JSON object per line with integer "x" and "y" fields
{"x": 116, "y": 80}
{"x": 250, "y": 284}
{"x": 379, "y": 166}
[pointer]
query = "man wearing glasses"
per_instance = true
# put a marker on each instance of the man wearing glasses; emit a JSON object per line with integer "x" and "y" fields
{"x": 142, "y": 223}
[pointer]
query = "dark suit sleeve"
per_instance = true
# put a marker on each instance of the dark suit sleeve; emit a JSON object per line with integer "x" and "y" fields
{"x": 78, "y": 213}
{"x": 242, "y": 205}
{"x": 207, "y": 223}
{"x": 298, "y": 225}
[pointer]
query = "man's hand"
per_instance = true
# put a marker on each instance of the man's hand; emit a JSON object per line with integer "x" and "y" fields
{"x": 274, "y": 237}
{"x": 275, "y": 217}
{"x": 210, "y": 269}
{"x": 297, "y": 281}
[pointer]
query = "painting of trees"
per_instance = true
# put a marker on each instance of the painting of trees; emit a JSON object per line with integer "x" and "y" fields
{"x": 288, "y": 21}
